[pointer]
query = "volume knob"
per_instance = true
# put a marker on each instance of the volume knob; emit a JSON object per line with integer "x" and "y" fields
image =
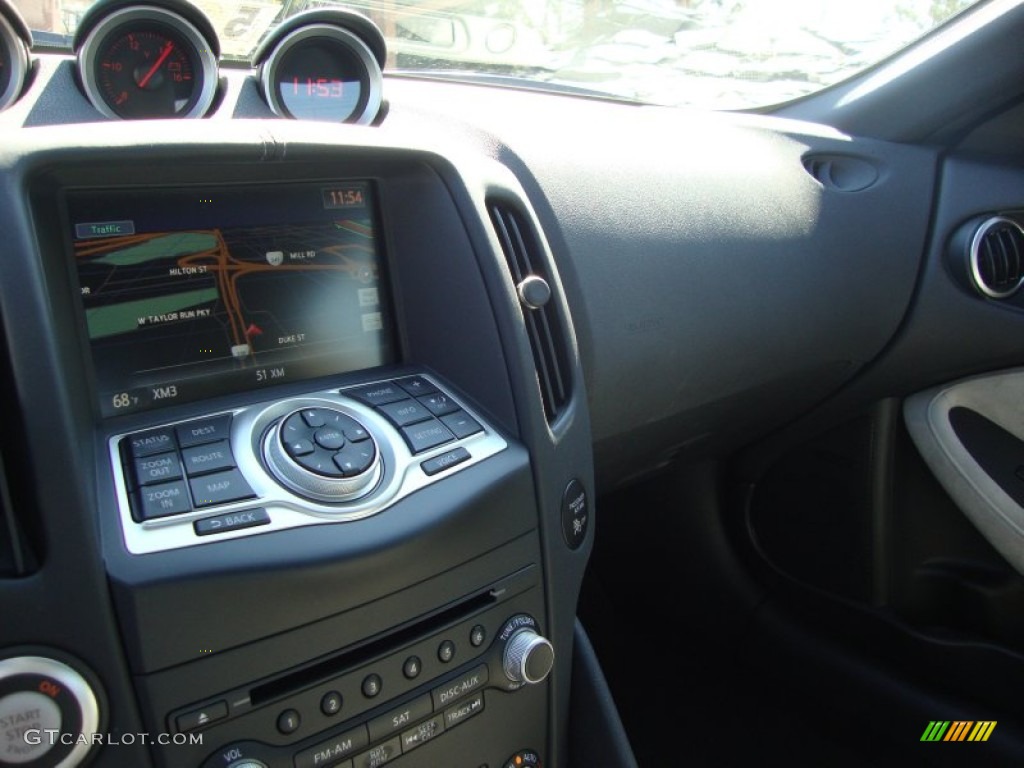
{"x": 528, "y": 657}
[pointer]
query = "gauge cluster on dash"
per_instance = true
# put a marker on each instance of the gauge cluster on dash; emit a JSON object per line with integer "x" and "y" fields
{"x": 153, "y": 59}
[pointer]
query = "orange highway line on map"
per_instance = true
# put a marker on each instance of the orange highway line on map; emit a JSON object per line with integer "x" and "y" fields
{"x": 228, "y": 269}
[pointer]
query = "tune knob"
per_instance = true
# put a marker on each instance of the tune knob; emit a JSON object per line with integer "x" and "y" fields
{"x": 528, "y": 657}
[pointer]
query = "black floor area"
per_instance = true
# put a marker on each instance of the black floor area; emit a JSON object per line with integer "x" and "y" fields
{"x": 685, "y": 702}
{"x": 695, "y": 676}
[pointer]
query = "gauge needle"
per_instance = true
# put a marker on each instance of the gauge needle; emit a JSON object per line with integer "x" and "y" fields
{"x": 152, "y": 70}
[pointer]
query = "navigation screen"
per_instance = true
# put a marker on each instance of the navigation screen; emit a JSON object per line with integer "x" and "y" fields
{"x": 190, "y": 293}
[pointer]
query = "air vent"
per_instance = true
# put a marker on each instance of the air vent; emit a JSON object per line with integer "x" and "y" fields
{"x": 12, "y": 552}
{"x": 526, "y": 263}
{"x": 17, "y": 558}
{"x": 997, "y": 257}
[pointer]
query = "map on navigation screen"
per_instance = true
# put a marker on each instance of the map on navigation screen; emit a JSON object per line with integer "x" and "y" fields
{"x": 177, "y": 314}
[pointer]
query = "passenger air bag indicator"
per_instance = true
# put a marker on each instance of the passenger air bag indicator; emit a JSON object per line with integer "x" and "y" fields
{"x": 96, "y": 229}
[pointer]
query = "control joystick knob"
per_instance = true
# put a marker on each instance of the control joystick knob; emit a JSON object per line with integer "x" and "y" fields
{"x": 527, "y": 657}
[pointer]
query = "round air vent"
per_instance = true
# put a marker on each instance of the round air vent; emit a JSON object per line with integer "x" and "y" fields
{"x": 997, "y": 257}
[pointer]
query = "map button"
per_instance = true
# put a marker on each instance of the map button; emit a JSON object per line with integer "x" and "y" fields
{"x": 220, "y": 488}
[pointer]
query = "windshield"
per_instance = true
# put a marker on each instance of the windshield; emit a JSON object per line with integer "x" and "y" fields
{"x": 718, "y": 54}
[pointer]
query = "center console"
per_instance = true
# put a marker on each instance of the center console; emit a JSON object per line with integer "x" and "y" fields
{"x": 340, "y": 518}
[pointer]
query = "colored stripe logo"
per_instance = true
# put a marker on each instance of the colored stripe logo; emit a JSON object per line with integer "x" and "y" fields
{"x": 958, "y": 730}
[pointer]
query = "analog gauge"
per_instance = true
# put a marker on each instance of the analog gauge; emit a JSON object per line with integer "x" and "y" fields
{"x": 148, "y": 62}
{"x": 322, "y": 72}
{"x": 13, "y": 63}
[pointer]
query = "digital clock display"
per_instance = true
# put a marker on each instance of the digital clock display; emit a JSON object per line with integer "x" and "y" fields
{"x": 344, "y": 197}
{"x": 321, "y": 80}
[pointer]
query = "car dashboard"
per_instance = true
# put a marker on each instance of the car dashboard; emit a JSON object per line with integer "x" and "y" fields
{"x": 304, "y": 422}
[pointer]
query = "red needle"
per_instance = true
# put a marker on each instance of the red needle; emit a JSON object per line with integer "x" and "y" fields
{"x": 163, "y": 57}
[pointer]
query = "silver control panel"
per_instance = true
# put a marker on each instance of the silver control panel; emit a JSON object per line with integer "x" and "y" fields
{"x": 327, "y": 457}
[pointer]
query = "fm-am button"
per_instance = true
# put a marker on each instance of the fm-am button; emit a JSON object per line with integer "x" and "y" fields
{"x": 233, "y": 521}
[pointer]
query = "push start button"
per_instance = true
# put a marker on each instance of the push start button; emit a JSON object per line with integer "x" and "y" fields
{"x": 40, "y": 699}
{"x": 24, "y": 718}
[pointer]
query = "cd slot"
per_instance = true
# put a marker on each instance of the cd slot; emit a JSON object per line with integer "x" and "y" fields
{"x": 336, "y": 665}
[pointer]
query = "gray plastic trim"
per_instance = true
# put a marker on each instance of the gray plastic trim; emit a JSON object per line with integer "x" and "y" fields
{"x": 998, "y": 397}
{"x": 401, "y": 475}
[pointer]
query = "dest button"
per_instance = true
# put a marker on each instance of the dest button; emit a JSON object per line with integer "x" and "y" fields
{"x": 208, "y": 430}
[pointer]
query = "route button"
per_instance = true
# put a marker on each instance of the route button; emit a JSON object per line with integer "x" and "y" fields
{"x": 208, "y": 458}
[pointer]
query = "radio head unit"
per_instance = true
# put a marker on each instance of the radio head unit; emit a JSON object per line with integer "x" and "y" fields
{"x": 199, "y": 291}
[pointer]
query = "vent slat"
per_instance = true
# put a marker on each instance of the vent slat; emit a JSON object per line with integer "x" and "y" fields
{"x": 997, "y": 257}
{"x": 12, "y": 560}
{"x": 550, "y": 351}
